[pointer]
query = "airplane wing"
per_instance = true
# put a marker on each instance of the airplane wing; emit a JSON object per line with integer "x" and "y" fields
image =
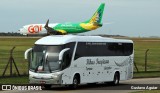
{"x": 62, "y": 31}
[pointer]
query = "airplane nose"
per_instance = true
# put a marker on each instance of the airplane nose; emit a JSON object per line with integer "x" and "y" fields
{"x": 20, "y": 30}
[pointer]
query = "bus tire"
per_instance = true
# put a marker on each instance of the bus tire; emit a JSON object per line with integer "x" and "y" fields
{"x": 75, "y": 82}
{"x": 115, "y": 79}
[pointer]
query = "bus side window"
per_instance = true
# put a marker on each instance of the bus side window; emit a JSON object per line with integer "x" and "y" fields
{"x": 76, "y": 56}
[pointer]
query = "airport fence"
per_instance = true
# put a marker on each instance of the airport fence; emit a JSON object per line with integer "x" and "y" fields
{"x": 20, "y": 63}
{"x": 147, "y": 60}
{"x": 152, "y": 61}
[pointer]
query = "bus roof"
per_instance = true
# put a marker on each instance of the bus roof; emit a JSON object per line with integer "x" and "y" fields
{"x": 63, "y": 39}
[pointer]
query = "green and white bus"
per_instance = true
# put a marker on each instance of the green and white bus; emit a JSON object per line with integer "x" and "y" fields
{"x": 74, "y": 60}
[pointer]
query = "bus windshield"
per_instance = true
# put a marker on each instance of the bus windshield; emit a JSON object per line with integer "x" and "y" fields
{"x": 45, "y": 58}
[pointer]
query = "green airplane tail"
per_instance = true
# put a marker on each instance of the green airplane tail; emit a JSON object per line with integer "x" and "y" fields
{"x": 97, "y": 16}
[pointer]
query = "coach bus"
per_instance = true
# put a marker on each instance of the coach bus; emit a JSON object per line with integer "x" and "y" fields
{"x": 73, "y": 60}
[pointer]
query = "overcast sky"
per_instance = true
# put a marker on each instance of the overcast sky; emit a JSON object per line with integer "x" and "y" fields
{"x": 127, "y": 17}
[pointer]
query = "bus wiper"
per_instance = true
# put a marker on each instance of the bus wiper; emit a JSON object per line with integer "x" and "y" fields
{"x": 40, "y": 64}
{"x": 47, "y": 62}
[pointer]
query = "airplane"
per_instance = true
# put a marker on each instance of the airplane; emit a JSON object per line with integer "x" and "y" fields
{"x": 65, "y": 28}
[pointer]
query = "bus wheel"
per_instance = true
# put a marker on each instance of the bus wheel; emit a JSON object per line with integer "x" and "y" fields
{"x": 75, "y": 82}
{"x": 116, "y": 79}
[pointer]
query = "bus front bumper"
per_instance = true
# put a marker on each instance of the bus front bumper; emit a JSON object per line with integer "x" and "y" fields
{"x": 44, "y": 81}
{"x": 45, "y": 78}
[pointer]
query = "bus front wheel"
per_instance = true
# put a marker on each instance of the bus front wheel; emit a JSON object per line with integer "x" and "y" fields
{"x": 75, "y": 82}
{"x": 115, "y": 79}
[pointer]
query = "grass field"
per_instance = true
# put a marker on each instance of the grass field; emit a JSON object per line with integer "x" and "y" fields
{"x": 14, "y": 80}
{"x": 140, "y": 45}
{"x": 21, "y": 45}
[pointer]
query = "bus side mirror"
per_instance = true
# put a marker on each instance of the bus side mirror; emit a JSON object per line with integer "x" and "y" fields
{"x": 62, "y": 52}
{"x": 27, "y": 53}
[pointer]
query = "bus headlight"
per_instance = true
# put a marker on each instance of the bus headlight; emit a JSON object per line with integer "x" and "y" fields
{"x": 31, "y": 76}
{"x": 56, "y": 75}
